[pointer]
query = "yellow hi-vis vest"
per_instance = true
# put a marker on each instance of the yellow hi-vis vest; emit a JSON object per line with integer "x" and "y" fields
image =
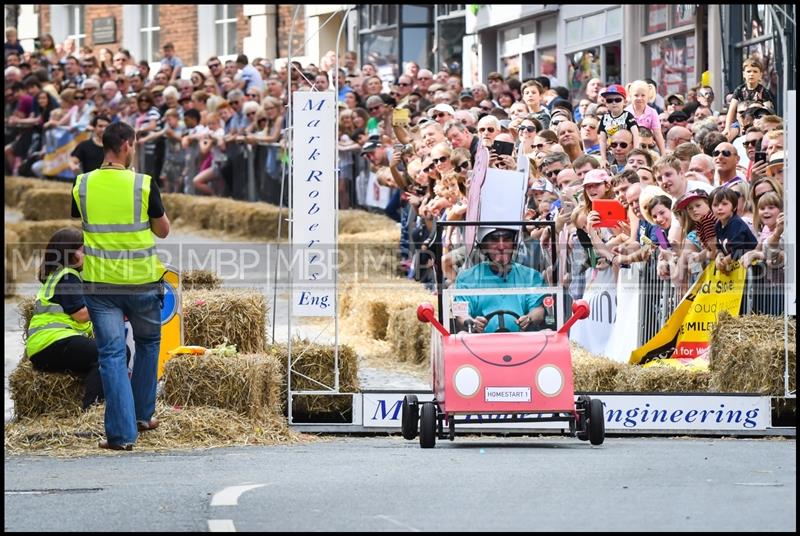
{"x": 49, "y": 322}
{"x": 118, "y": 244}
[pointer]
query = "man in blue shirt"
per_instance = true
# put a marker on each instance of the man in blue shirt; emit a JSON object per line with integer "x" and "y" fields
{"x": 499, "y": 271}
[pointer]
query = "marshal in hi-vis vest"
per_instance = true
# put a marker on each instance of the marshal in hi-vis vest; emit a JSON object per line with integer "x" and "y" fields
{"x": 118, "y": 244}
{"x": 49, "y": 322}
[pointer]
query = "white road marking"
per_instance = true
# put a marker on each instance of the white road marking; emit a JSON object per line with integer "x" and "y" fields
{"x": 221, "y": 525}
{"x": 230, "y": 495}
{"x": 768, "y": 484}
{"x": 398, "y": 523}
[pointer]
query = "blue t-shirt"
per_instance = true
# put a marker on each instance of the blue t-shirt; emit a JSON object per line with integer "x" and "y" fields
{"x": 481, "y": 276}
{"x": 734, "y": 239}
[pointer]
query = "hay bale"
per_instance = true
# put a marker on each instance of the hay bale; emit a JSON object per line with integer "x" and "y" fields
{"x": 238, "y": 316}
{"x": 15, "y": 187}
{"x": 25, "y": 309}
{"x": 190, "y": 428}
{"x": 38, "y": 393}
{"x": 747, "y": 354}
{"x": 34, "y": 237}
{"x": 371, "y": 253}
{"x": 11, "y": 244}
{"x": 353, "y": 221}
{"x": 260, "y": 221}
{"x": 409, "y": 338}
{"x": 200, "y": 279}
{"x": 40, "y": 204}
{"x": 316, "y": 361}
{"x": 662, "y": 379}
{"x": 592, "y": 373}
{"x": 250, "y": 385}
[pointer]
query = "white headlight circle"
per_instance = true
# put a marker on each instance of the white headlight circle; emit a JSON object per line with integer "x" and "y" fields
{"x": 467, "y": 381}
{"x": 550, "y": 380}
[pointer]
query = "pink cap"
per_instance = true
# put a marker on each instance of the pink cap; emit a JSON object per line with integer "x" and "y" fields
{"x": 596, "y": 176}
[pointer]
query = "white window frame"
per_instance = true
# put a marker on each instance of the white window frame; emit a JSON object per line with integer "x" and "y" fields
{"x": 146, "y": 31}
{"x": 78, "y": 34}
{"x": 222, "y": 25}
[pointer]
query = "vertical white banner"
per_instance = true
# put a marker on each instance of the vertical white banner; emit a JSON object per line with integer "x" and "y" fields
{"x": 790, "y": 207}
{"x": 313, "y": 203}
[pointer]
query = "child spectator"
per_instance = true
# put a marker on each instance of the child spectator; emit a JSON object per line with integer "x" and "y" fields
{"x": 174, "y": 154}
{"x": 734, "y": 237}
{"x": 646, "y": 117}
{"x": 532, "y": 95}
{"x": 751, "y": 91}
{"x": 615, "y": 120}
{"x": 697, "y": 225}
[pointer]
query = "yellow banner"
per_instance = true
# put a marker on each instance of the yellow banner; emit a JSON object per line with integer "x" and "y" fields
{"x": 687, "y": 332}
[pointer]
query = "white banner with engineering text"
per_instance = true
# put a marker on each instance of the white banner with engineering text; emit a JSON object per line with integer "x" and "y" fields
{"x": 313, "y": 203}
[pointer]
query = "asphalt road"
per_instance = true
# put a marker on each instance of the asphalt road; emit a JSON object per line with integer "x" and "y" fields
{"x": 388, "y": 484}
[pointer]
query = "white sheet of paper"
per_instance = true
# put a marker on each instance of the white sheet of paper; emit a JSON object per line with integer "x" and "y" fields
{"x": 503, "y": 195}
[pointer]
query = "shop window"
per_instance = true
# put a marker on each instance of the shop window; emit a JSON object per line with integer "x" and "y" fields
{"x": 672, "y": 62}
{"x": 613, "y": 63}
{"x": 582, "y": 67}
{"x": 451, "y": 42}
{"x": 416, "y": 44}
{"x": 663, "y": 17}
{"x": 416, "y": 14}
{"x": 547, "y": 63}
{"x": 380, "y": 49}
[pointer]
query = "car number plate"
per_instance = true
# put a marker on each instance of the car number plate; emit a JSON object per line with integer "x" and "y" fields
{"x": 508, "y": 394}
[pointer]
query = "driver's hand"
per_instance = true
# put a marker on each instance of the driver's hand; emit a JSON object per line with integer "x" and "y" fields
{"x": 480, "y": 324}
{"x": 523, "y": 322}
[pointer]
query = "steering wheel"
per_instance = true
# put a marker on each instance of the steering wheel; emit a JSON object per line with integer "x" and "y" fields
{"x": 501, "y": 319}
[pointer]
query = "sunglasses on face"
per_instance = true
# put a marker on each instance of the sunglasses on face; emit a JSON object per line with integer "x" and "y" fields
{"x": 750, "y": 143}
{"x": 540, "y": 146}
{"x": 80, "y": 97}
{"x": 248, "y": 114}
{"x": 251, "y": 95}
{"x": 372, "y": 109}
{"x": 486, "y": 108}
{"x": 214, "y": 65}
{"x": 440, "y": 160}
{"x": 429, "y": 168}
{"x": 620, "y": 144}
{"x": 463, "y": 167}
{"x": 490, "y": 130}
{"x": 613, "y": 101}
{"x": 724, "y": 152}
{"x": 552, "y": 173}
{"x": 527, "y": 128}
{"x": 649, "y": 146}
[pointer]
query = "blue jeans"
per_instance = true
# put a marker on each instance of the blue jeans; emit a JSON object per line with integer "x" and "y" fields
{"x": 134, "y": 399}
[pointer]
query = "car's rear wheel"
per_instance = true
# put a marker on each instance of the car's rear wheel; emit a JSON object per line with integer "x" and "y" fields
{"x": 409, "y": 420}
{"x": 597, "y": 422}
{"x": 582, "y": 421}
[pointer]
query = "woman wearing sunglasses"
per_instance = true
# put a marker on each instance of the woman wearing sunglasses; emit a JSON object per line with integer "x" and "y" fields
{"x": 526, "y": 134}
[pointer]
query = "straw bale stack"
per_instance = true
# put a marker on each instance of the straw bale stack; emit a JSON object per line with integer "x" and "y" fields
{"x": 200, "y": 280}
{"x": 359, "y": 221}
{"x": 238, "y": 316}
{"x": 410, "y": 339}
{"x": 368, "y": 306}
{"x": 40, "y": 204}
{"x": 16, "y": 186}
{"x": 250, "y": 385}
{"x": 662, "y": 379}
{"x": 11, "y": 244}
{"x": 593, "y": 373}
{"x": 372, "y": 253}
{"x": 35, "y": 393}
{"x": 316, "y": 361}
{"x": 189, "y": 428}
{"x": 35, "y": 235}
{"x": 25, "y": 308}
{"x": 747, "y": 354}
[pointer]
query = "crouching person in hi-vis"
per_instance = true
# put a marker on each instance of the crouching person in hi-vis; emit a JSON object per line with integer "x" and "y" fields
{"x": 59, "y": 330}
{"x": 120, "y": 211}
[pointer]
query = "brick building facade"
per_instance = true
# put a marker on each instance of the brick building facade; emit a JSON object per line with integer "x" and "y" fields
{"x": 186, "y": 26}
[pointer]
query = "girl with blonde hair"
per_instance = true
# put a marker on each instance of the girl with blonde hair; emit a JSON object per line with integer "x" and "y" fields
{"x": 640, "y": 93}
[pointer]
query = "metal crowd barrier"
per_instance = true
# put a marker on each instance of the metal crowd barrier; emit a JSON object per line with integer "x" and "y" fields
{"x": 764, "y": 291}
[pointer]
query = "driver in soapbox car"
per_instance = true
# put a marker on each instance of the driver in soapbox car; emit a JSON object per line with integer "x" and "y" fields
{"x": 498, "y": 270}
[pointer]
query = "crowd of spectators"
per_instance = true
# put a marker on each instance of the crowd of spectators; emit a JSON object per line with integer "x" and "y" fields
{"x": 700, "y": 186}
